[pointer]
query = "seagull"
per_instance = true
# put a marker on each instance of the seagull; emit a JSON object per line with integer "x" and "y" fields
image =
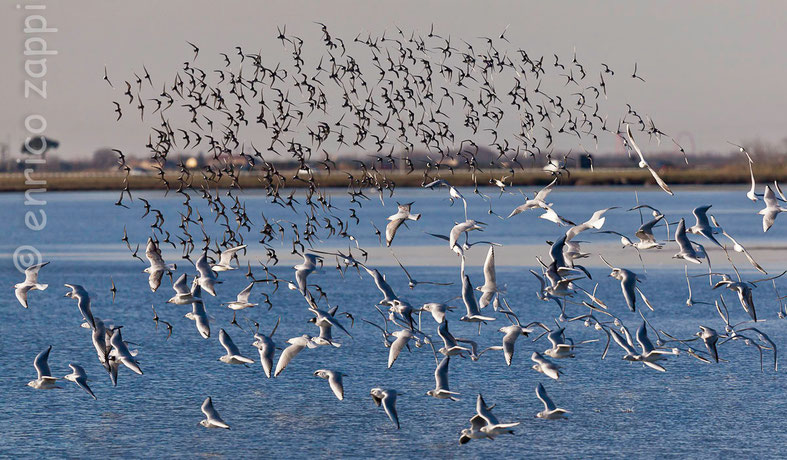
{"x": 100, "y": 340}
{"x": 703, "y": 227}
{"x": 157, "y": 265}
{"x": 225, "y": 259}
{"x": 550, "y": 412}
{"x": 473, "y": 313}
{"x": 687, "y": 251}
{"x": 553, "y": 217}
{"x": 325, "y": 321}
{"x": 628, "y": 284}
{"x": 441, "y": 390}
{"x": 45, "y": 381}
{"x": 386, "y": 398}
{"x": 771, "y": 210}
{"x": 213, "y": 419}
{"x": 242, "y": 300}
{"x": 305, "y": 269}
{"x": 709, "y": 336}
{"x": 649, "y": 354}
{"x": 233, "y": 355}
{"x": 403, "y": 337}
{"x": 296, "y": 345}
{"x": 83, "y": 302}
{"x": 121, "y": 353}
{"x": 79, "y": 376}
{"x": 199, "y": 315}
{"x": 184, "y": 295}
{"x": 207, "y": 277}
{"x": 451, "y": 346}
{"x": 334, "y": 379}
{"x": 484, "y": 424}
{"x": 489, "y": 289}
{"x": 538, "y": 201}
{"x": 744, "y": 295}
{"x": 644, "y": 164}
{"x": 438, "y": 310}
{"x": 545, "y": 366}
{"x": 379, "y": 280}
{"x": 596, "y": 221}
{"x": 397, "y": 220}
{"x": 30, "y": 283}
{"x": 264, "y": 343}
{"x": 512, "y": 333}
{"x": 560, "y": 349}
{"x": 751, "y": 194}
{"x": 460, "y": 228}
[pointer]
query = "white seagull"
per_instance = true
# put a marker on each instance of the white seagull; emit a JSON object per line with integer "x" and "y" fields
{"x": 225, "y": 259}
{"x": 29, "y": 284}
{"x": 45, "y": 381}
{"x": 233, "y": 355}
{"x": 550, "y": 412}
{"x": 334, "y": 379}
{"x": 79, "y": 376}
{"x": 441, "y": 390}
{"x": 212, "y": 418}
{"x": 644, "y": 164}
{"x": 242, "y": 300}
{"x": 296, "y": 345}
{"x": 397, "y": 220}
{"x": 386, "y": 398}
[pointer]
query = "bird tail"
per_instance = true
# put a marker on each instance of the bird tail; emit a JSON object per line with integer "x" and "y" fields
{"x": 414, "y": 216}
{"x": 41, "y": 287}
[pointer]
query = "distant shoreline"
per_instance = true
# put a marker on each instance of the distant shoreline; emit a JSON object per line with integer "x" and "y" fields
{"x": 84, "y": 181}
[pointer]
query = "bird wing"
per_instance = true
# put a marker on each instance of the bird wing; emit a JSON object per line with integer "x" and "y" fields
{"x": 243, "y": 296}
{"x": 471, "y": 304}
{"x": 335, "y": 381}
{"x": 227, "y": 343}
{"x": 445, "y": 334}
{"x": 622, "y": 342}
{"x": 396, "y": 348}
{"x": 441, "y": 374}
{"x": 683, "y": 240}
{"x": 383, "y": 285}
{"x": 41, "y": 363}
{"x": 389, "y": 404}
{"x": 643, "y": 340}
{"x": 180, "y": 286}
{"x": 31, "y": 273}
{"x": 644, "y": 163}
{"x": 205, "y": 272}
{"x": 227, "y": 254}
{"x": 541, "y": 393}
{"x": 542, "y": 194}
{"x": 286, "y": 356}
{"x": 390, "y": 230}
{"x": 153, "y": 254}
{"x": 490, "y": 282}
{"x": 645, "y": 232}
{"x": 21, "y": 295}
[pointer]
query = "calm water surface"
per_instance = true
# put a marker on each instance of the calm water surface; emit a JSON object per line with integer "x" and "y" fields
{"x": 617, "y": 408}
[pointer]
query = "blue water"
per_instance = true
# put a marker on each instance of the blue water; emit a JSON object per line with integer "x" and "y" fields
{"x": 617, "y": 408}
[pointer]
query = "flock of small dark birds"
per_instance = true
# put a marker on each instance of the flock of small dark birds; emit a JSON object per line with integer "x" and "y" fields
{"x": 394, "y": 94}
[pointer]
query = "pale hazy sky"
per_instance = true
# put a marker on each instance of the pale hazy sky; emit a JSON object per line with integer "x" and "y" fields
{"x": 715, "y": 71}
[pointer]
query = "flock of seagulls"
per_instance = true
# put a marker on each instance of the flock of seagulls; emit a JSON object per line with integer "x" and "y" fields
{"x": 399, "y": 104}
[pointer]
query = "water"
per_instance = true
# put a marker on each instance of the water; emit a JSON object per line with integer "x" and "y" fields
{"x": 617, "y": 408}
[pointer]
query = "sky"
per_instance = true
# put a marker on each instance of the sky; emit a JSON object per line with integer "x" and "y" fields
{"x": 714, "y": 72}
